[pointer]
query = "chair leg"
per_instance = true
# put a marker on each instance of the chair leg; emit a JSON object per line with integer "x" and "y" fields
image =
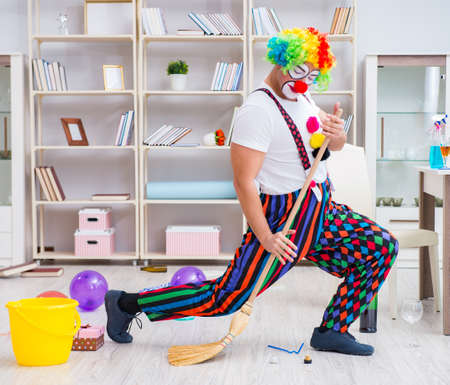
{"x": 393, "y": 291}
{"x": 434, "y": 267}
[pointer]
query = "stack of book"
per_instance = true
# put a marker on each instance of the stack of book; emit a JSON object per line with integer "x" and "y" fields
{"x": 265, "y": 21}
{"x": 215, "y": 23}
{"x": 226, "y": 76}
{"x": 125, "y": 129}
{"x": 50, "y": 183}
{"x": 153, "y": 22}
{"x": 348, "y": 122}
{"x": 230, "y": 131}
{"x": 167, "y": 135}
{"x": 342, "y": 20}
{"x": 49, "y": 76}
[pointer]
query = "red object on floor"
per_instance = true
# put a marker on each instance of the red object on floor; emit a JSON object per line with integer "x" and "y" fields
{"x": 51, "y": 294}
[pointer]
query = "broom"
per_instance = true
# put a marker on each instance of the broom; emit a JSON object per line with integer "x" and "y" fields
{"x": 183, "y": 355}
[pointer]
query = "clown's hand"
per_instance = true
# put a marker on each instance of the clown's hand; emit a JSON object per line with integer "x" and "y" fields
{"x": 333, "y": 128}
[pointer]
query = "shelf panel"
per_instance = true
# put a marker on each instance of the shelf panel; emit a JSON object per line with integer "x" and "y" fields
{"x": 169, "y": 92}
{"x": 337, "y": 37}
{"x": 84, "y": 202}
{"x": 148, "y": 38}
{"x": 337, "y": 92}
{"x": 84, "y": 92}
{"x": 191, "y": 201}
{"x": 217, "y": 148}
{"x": 402, "y": 160}
{"x": 82, "y": 38}
{"x": 36, "y": 148}
{"x": 71, "y": 255}
{"x": 162, "y": 255}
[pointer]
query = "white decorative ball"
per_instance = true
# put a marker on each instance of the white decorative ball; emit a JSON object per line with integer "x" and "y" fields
{"x": 209, "y": 139}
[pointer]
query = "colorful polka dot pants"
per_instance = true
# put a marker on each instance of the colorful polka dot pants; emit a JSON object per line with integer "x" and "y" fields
{"x": 355, "y": 248}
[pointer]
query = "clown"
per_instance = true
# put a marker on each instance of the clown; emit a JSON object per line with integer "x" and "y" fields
{"x": 276, "y": 137}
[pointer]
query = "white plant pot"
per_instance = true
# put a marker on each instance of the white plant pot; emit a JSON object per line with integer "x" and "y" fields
{"x": 178, "y": 82}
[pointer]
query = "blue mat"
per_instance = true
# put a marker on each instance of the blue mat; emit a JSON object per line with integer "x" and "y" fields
{"x": 191, "y": 190}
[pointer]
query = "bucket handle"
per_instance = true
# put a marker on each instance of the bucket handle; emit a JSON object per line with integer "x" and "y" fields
{"x": 71, "y": 334}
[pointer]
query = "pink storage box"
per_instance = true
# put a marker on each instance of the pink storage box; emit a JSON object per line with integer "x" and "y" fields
{"x": 193, "y": 241}
{"x": 94, "y": 218}
{"x": 94, "y": 243}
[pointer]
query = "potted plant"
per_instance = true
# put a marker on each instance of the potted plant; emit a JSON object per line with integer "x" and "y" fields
{"x": 177, "y": 71}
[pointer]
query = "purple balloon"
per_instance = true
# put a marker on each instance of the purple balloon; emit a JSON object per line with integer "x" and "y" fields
{"x": 188, "y": 274}
{"x": 89, "y": 288}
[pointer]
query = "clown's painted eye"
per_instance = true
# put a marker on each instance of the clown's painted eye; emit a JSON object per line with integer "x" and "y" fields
{"x": 312, "y": 76}
{"x": 299, "y": 72}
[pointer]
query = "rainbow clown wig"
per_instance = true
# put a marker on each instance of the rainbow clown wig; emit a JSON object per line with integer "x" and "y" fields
{"x": 293, "y": 47}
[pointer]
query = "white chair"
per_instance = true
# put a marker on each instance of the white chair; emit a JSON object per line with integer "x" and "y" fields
{"x": 348, "y": 173}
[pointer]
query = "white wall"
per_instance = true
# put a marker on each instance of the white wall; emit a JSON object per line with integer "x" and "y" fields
{"x": 383, "y": 27}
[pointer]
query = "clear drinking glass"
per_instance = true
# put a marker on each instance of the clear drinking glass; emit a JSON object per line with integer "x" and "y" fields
{"x": 412, "y": 312}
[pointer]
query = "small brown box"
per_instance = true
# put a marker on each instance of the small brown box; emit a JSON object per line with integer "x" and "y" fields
{"x": 88, "y": 343}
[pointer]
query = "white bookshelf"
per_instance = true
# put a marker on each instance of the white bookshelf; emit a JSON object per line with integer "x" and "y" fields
{"x": 349, "y": 38}
{"x": 37, "y": 43}
{"x": 146, "y": 152}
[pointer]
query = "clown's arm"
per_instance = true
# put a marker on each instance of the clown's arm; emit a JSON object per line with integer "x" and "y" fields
{"x": 333, "y": 127}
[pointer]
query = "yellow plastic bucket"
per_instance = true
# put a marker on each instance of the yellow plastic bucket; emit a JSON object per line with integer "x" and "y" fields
{"x": 42, "y": 329}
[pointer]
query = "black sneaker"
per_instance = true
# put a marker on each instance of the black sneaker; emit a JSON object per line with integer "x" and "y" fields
{"x": 119, "y": 322}
{"x": 333, "y": 341}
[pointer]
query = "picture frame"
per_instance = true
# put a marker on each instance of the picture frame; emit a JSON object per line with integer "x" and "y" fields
{"x": 74, "y": 130}
{"x": 113, "y": 77}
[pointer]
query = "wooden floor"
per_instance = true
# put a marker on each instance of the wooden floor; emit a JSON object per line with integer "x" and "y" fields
{"x": 284, "y": 316}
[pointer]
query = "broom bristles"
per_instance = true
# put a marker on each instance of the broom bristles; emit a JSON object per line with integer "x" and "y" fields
{"x": 182, "y": 355}
{"x": 195, "y": 355}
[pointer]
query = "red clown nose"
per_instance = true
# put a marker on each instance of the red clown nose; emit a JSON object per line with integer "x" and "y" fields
{"x": 300, "y": 87}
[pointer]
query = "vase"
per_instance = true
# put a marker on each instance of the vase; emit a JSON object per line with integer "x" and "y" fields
{"x": 178, "y": 82}
{"x": 436, "y": 160}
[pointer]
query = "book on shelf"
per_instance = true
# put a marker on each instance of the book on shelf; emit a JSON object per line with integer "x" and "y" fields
{"x": 43, "y": 272}
{"x": 342, "y": 20}
{"x": 49, "y": 76}
{"x": 227, "y": 76}
{"x": 265, "y": 21}
{"x": 215, "y": 23}
{"x": 166, "y": 135}
{"x": 154, "y": 22}
{"x": 110, "y": 197}
{"x": 124, "y": 133}
{"x": 16, "y": 269}
{"x": 230, "y": 131}
{"x": 190, "y": 32}
{"x": 348, "y": 123}
{"x": 50, "y": 184}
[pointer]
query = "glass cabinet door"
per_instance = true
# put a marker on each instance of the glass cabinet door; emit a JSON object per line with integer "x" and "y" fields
{"x": 5, "y": 135}
{"x": 409, "y": 98}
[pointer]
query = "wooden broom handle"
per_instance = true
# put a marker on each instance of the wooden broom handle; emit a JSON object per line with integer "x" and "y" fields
{"x": 292, "y": 214}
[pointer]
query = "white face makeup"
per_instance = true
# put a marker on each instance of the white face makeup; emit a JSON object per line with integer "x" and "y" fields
{"x": 300, "y": 72}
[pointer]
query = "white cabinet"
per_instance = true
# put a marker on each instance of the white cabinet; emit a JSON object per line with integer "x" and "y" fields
{"x": 5, "y": 219}
{"x": 12, "y": 160}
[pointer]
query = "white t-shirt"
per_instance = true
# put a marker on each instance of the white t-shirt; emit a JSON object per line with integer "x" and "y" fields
{"x": 259, "y": 125}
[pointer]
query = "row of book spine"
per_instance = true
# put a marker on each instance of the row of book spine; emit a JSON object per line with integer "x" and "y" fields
{"x": 49, "y": 76}
{"x": 167, "y": 135}
{"x": 125, "y": 129}
{"x": 215, "y": 23}
{"x": 153, "y": 21}
{"x": 342, "y": 20}
{"x": 265, "y": 21}
{"x": 50, "y": 184}
{"x": 227, "y": 76}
